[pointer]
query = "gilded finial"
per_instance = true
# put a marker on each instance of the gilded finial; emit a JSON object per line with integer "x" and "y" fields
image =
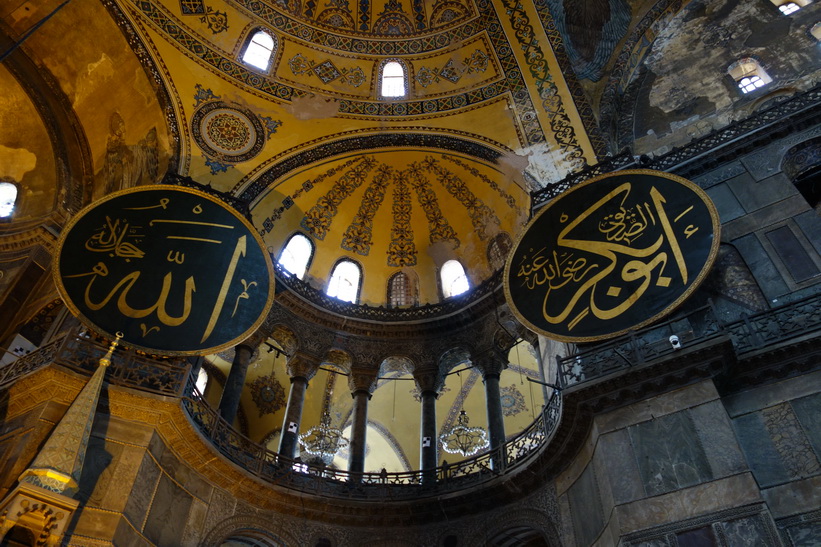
{"x": 105, "y": 360}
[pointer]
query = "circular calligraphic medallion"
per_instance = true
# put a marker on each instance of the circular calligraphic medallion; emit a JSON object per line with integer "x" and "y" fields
{"x": 229, "y": 133}
{"x": 177, "y": 271}
{"x": 612, "y": 255}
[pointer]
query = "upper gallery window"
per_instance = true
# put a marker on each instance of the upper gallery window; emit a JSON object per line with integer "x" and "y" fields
{"x": 454, "y": 279}
{"x": 816, "y": 31}
{"x": 748, "y": 74}
{"x": 399, "y": 290}
{"x": 497, "y": 250}
{"x": 393, "y": 80}
{"x": 296, "y": 255}
{"x": 345, "y": 281}
{"x": 259, "y": 50}
{"x": 788, "y": 7}
{"x": 8, "y": 197}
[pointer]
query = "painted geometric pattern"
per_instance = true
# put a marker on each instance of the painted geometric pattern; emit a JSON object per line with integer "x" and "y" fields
{"x": 513, "y": 402}
{"x": 480, "y": 214}
{"x": 288, "y": 201}
{"x": 192, "y": 7}
{"x": 512, "y": 85}
{"x": 359, "y": 235}
{"x": 267, "y": 393}
{"x": 510, "y": 200}
{"x": 440, "y": 228}
{"x": 326, "y": 71}
{"x": 453, "y": 70}
{"x": 318, "y": 219}
{"x": 402, "y": 249}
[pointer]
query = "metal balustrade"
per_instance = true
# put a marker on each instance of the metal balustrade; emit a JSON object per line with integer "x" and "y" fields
{"x": 172, "y": 378}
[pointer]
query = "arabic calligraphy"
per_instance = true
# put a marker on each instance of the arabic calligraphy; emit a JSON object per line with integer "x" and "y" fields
{"x": 138, "y": 262}
{"x": 625, "y": 248}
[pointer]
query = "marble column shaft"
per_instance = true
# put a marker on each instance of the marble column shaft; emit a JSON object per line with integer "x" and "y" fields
{"x": 229, "y": 402}
{"x": 428, "y": 455}
{"x": 495, "y": 417}
{"x": 293, "y": 415}
{"x": 356, "y": 457}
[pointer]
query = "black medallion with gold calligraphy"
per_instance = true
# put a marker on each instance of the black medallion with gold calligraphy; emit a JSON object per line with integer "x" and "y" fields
{"x": 178, "y": 272}
{"x": 612, "y": 255}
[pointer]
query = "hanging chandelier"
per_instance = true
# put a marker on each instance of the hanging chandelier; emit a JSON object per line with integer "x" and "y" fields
{"x": 323, "y": 441}
{"x": 463, "y": 439}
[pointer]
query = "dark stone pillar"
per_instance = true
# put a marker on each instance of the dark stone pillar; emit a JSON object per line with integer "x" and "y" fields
{"x": 229, "y": 402}
{"x": 491, "y": 366}
{"x": 356, "y": 457}
{"x": 301, "y": 368}
{"x": 429, "y": 454}
{"x": 362, "y": 384}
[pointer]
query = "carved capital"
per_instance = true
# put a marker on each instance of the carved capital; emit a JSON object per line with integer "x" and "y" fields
{"x": 302, "y": 365}
{"x": 489, "y": 363}
{"x": 362, "y": 380}
{"x": 428, "y": 379}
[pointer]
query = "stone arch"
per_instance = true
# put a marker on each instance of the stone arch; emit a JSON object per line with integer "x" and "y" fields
{"x": 802, "y": 165}
{"x": 249, "y": 526}
{"x": 518, "y": 521}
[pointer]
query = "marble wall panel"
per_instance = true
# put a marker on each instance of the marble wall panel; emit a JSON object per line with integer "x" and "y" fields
{"x": 669, "y": 454}
{"x": 808, "y": 413}
{"x": 196, "y": 521}
{"x": 169, "y": 512}
{"x": 805, "y": 534}
{"x": 700, "y": 537}
{"x": 140, "y": 498}
{"x": 725, "y": 201}
{"x": 759, "y": 450}
{"x": 586, "y": 508}
{"x": 746, "y": 532}
{"x": 720, "y": 445}
{"x": 126, "y": 536}
{"x": 790, "y": 441}
{"x": 622, "y": 471}
{"x": 100, "y": 461}
{"x": 764, "y": 271}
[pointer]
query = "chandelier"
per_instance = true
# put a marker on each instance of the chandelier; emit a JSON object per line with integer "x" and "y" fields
{"x": 463, "y": 439}
{"x": 323, "y": 441}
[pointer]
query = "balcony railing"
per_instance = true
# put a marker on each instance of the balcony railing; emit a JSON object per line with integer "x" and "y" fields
{"x": 172, "y": 378}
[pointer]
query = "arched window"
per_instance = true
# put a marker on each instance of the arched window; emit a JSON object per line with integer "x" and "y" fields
{"x": 748, "y": 74}
{"x": 497, "y": 250}
{"x": 202, "y": 380}
{"x": 816, "y": 31}
{"x": 260, "y": 50}
{"x": 400, "y": 290}
{"x": 788, "y": 7}
{"x": 296, "y": 255}
{"x": 8, "y": 197}
{"x": 345, "y": 281}
{"x": 454, "y": 279}
{"x": 393, "y": 80}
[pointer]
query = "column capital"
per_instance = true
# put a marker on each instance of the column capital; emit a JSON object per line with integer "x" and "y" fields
{"x": 362, "y": 380}
{"x": 489, "y": 363}
{"x": 302, "y": 365}
{"x": 428, "y": 380}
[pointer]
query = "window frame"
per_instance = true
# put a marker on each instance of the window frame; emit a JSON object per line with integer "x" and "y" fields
{"x": 495, "y": 243}
{"x": 249, "y": 39}
{"x": 738, "y": 72}
{"x": 359, "y": 284}
{"x": 310, "y": 256}
{"x": 13, "y": 184}
{"x": 441, "y": 279}
{"x": 405, "y": 77}
{"x": 410, "y": 291}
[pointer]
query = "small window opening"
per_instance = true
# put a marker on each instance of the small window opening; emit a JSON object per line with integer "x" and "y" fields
{"x": 259, "y": 50}
{"x": 399, "y": 290}
{"x": 788, "y": 7}
{"x": 497, "y": 250}
{"x": 345, "y": 281}
{"x": 816, "y": 31}
{"x": 8, "y": 197}
{"x": 454, "y": 279}
{"x": 202, "y": 381}
{"x": 296, "y": 255}
{"x": 393, "y": 80}
{"x": 748, "y": 74}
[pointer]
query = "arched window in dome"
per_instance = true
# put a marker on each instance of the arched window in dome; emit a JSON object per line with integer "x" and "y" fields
{"x": 8, "y": 197}
{"x": 788, "y": 7}
{"x": 497, "y": 250}
{"x": 400, "y": 290}
{"x": 346, "y": 279}
{"x": 259, "y": 50}
{"x": 454, "y": 279}
{"x": 297, "y": 254}
{"x": 748, "y": 74}
{"x": 393, "y": 80}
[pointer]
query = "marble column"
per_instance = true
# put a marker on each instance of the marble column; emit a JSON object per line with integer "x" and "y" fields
{"x": 362, "y": 386}
{"x": 428, "y": 382}
{"x": 229, "y": 402}
{"x": 301, "y": 368}
{"x": 491, "y": 366}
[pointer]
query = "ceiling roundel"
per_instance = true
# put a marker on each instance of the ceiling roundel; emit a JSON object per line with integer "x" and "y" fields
{"x": 230, "y": 133}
